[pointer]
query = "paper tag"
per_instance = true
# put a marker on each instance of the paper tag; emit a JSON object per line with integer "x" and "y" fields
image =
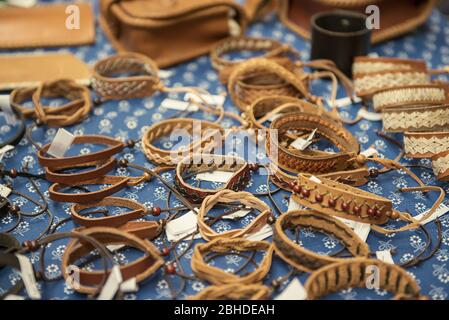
{"x": 370, "y": 152}
{"x": 14, "y": 297}
{"x": 112, "y": 284}
{"x": 301, "y": 144}
{"x": 4, "y": 150}
{"x": 4, "y": 191}
{"x": 262, "y": 234}
{"x": 179, "y": 105}
{"x": 367, "y": 115}
{"x": 61, "y": 143}
{"x": 114, "y": 247}
{"x": 215, "y": 176}
{"x": 274, "y": 117}
{"x": 293, "y": 205}
{"x": 27, "y": 273}
{"x": 22, "y": 3}
{"x": 5, "y": 106}
{"x": 215, "y": 100}
{"x": 344, "y": 102}
{"x": 294, "y": 291}
{"x": 165, "y": 74}
{"x": 181, "y": 227}
{"x": 129, "y": 286}
{"x": 360, "y": 228}
{"x": 238, "y": 214}
{"x": 315, "y": 179}
{"x": 385, "y": 256}
{"x": 440, "y": 211}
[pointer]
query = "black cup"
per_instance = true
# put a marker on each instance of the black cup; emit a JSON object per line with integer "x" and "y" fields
{"x": 340, "y": 36}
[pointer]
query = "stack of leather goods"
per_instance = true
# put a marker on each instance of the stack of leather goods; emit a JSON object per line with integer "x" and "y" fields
{"x": 135, "y": 211}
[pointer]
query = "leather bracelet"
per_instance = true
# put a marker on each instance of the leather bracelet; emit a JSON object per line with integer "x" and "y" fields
{"x": 418, "y": 95}
{"x": 355, "y": 273}
{"x": 259, "y": 77}
{"x": 316, "y": 162}
{"x": 140, "y": 269}
{"x": 217, "y": 276}
{"x": 144, "y": 79}
{"x": 416, "y": 118}
{"x": 269, "y": 108}
{"x": 184, "y": 125}
{"x": 70, "y": 113}
{"x": 227, "y": 196}
{"x": 8, "y": 243}
{"x": 196, "y": 164}
{"x": 11, "y": 260}
{"x": 341, "y": 200}
{"x": 114, "y": 147}
{"x": 376, "y": 74}
{"x": 233, "y": 292}
{"x": 17, "y": 137}
{"x": 306, "y": 260}
{"x": 272, "y": 49}
{"x": 137, "y": 211}
{"x": 116, "y": 184}
{"x": 434, "y": 145}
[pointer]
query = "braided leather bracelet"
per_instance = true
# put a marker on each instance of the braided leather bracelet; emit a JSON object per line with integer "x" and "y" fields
{"x": 70, "y": 113}
{"x": 139, "y": 269}
{"x": 196, "y": 164}
{"x": 355, "y": 273}
{"x": 217, "y": 276}
{"x": 376, "y": 74}
{"x": 304, "y": 259}
{"x": 272, "y": 49}
{"x": 183, "y": 126}
{"x": 228, "y": 196}
{"x": 341, "y": 200}
{"x": 316, "y": 162}
{"x": 233, "y": 292}
{"x": 434, "y": 145}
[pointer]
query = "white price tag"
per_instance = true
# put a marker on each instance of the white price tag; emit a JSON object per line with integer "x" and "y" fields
{"x": 114, "y": 247}
{"x": 165, "y": 74}
{"x": 385, "y": 256}
{"x": 302, "y": 144}
{"x": 27, "y": 273}
{"x": 112, "y": 284}
{"x": 61, "y": 143}
{"x": 370, "y": 152}
{"x": 22, "y": 3}
{"x": 5, "y": 106}
{"x": 178, "y": 105}
{"x": 129, "y": 286}
{"x": 293, "y": 205}
{"x": 238, "y": 214}
{"x": 294, "y": 291}
{"x": 215, "y": 100}
{"x": 4, "y": 191}
{"x": 14, "y": 297}
{"x": 440, "y": 211}
{"x": 315, "y": 179}
{"x": 360, "y": 228}
{"x": 4, "y": 150}
{"x": 367, "y": 115}
{"x": 262, "y": 234}
{"x": 344, "y": 102}
{"x": 215, "y": 176}
{"x": 182, "y": 226}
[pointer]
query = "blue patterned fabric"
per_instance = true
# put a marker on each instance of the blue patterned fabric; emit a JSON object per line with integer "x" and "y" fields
{"x": 129, "y": 119}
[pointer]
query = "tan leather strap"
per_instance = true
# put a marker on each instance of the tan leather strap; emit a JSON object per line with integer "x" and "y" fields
{"x": 139, "y": 269}
{"x": 217, "y": 276}
{"x": 307, "y": 260}
{"x": 228, "y": 196}
{"x": 233, "y": 292}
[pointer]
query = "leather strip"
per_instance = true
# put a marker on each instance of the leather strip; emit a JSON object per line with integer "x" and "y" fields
{"x": 140, "y": 269}
{"x": 233, "y": 292}
{"x": 307, "y": 260}
{"x": 228, "y": 196}
{"x": 200, "y": 163}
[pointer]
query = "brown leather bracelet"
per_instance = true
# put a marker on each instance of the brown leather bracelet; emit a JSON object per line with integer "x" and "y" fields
{"x": 233, "y": 292}
{"x": 228, "y": 196}
{"x": 316, "y": 162}
{"x": 372, "y": 75}
{"x": 144, "y": 79}
{"x": 217, "y": 276}
{"x": 272, "y": 49}
{"x": 307, "y": 260}
{"x": 434, "y": 145}
{"x": 356, "y": 273}
{"x": 196, "y": 164}
{"x": 184, "y": 126}
{"x": 139, "y": 269}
